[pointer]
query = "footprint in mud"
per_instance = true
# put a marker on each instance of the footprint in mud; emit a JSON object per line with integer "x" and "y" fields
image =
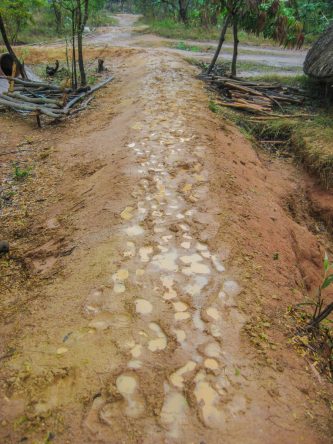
{"x": 130, "y": 250}
{"x": 98, "y": 300}
{"x": 134, "y": 230}
{"x": 127, "y": 386}
{"x": 160, "y": 342}
{"x": 180, "y": 309}
{"x": 209, "y": 403}
{"x": 177, "y": 378}
{"x": 166, "y": 261}
{"x": 194, "y": 265}
{"x": 180, "y": 335}
{"x": 213, "y": 316}
{"x": 145, "y": 253}
{"x": 105, "y": 320}
{"x": 119, "y": 280}
{"x": 126, "y": 401}
{"x": 142, "y": 306}
{"x": 174, "y": 411}
{"x": 167, "y": 282}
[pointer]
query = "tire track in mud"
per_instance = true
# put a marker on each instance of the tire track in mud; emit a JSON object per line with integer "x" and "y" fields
{"x": 171, "y": 292}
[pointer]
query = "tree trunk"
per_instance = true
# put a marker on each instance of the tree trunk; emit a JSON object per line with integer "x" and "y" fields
{"x": 219, "y": 46}
{"x": 236, "y": 41}
{"x": 82, "y": 20}
{"x": 183, "y": 11}
{"x": 19, "y": 65}
{"x": 57, "y": 15}
{"x": 74, "y": 73}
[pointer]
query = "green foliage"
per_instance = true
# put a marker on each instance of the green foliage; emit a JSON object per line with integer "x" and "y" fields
{"x": 283, "y": 20}
{"x": 20, "y": 173}
{"x": 328, "y": 278}
{"x": 213, "y": 106}
{"x": 316, "y": 16}
{"x": 33, "y": 20}
{"x": 17, "y": 14}
{"x": 185, "y": 47}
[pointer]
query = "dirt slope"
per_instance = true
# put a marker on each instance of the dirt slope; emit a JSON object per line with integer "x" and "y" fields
{"x": 135, "y": 335}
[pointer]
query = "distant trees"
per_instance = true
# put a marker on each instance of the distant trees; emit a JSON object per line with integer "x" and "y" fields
{"x": 315, "y": 14}
{"x": 13, "y": 14}
{"x": 276, "y": 19}
{"x": 69, "y": 18}
{"x": 58, "y": 15}
{"x": 17, "y": 14}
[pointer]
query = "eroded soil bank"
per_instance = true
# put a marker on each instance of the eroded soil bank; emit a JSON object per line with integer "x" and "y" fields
{"x": 149, "y": 243}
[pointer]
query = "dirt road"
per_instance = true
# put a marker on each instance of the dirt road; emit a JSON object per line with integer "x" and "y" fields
{"x": 157, "y": 235}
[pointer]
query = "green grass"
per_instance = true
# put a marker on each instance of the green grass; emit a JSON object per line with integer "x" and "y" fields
{"x": 299, "y": 80}
{"x": 185, "y": 47}
{"x": 172, "y": 29}
{"x": 20, "y": 173}
{"x": 313, "y": 141}
{"x": 175, "y": 30}
{"x": 262, "y": 68}
{"x": 267, "y": 73}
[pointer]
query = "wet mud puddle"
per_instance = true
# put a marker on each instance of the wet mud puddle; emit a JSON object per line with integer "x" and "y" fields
{"x": 180, "y": 372}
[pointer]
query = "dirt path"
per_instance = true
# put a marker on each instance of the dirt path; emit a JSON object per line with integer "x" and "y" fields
{"x": 135, "y": 335}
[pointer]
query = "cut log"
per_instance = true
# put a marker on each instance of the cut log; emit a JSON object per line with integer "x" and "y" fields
{"x": 31, "y": 107}
{"x": 38, "y": 100}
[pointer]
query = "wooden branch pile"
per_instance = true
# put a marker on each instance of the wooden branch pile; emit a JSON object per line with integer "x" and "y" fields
{"x": 257, "y": 98}
{"x": 27, "y": 96}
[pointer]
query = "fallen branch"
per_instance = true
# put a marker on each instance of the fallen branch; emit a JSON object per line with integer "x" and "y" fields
{"x": 95, "y": 88}
{"x": 24, "y": 107}
{"x": 38, "y": 100}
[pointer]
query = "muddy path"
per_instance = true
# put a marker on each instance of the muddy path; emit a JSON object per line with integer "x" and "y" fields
{"x": 153, "y": 227}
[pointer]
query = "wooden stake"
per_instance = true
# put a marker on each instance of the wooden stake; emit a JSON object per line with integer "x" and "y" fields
{"x": 12, "y": 82}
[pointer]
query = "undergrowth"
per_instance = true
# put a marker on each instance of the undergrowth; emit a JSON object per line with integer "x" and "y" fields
{"x": 43, "y": 29}
{"x": 313, "y": 325}
{"x": 308, "y": 138}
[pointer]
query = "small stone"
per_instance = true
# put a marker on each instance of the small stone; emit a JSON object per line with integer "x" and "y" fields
{"x": 62, "y": 350}
{"x": 4, "y": 247}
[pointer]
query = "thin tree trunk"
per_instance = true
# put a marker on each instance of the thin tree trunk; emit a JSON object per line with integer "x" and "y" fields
{"x": 74, "y": 73}
{"x": 183, "y": 11}
{"x": 82, "y": 20}
{"x": 57, "y": 15}
{"x": 19, "y": 65}
{"x": 236, "y": 41}
{"x": 219, "y": 46}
